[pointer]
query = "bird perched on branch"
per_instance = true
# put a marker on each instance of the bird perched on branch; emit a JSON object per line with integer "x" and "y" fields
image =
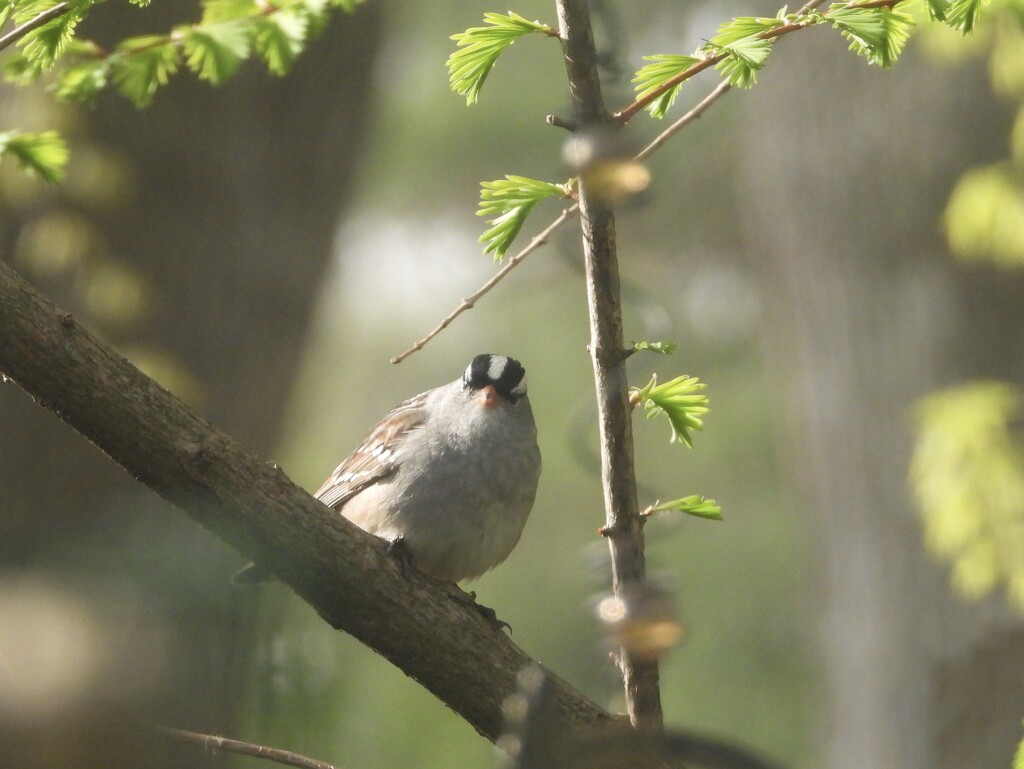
{"x": 450, "y": 475}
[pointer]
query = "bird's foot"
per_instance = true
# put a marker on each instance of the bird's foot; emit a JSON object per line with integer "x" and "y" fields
{"x": 469, "y": 599}
{"x": 398, "y": 550}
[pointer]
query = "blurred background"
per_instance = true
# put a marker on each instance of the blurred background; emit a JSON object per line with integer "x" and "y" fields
{"x": 265, "y": 247}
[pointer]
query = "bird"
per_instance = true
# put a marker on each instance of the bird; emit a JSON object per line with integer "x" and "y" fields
{"x": 449, "y": 476}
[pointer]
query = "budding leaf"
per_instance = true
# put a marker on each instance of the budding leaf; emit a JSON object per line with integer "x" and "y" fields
{"x": 962, "y": 14}
{"x": 651, "y": 77}
{"x": 43, "y": 46}
{"x": 937, "y": 9}
{"x": 44, "y": 154}
{"x": 682, "y": 400}
{"x": 143, "y": 64}
{"x": 214, "y": 51}
{"x": 279, "y": 39}
{"x": 510, "y": 201}
{"x": 694, "y": 504}
{"x": 877, "y": 34}
{"x": 478, "y": 48}
{"x": 84, "y": 81}
{"x": 665, "y": 348}
{"x": 743, "y": 58}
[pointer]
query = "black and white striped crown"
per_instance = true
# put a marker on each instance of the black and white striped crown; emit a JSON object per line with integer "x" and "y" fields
{"x": 506, "y": 374}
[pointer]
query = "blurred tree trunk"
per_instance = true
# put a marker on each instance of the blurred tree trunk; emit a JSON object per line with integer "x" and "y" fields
{"x": 228, "y": 223}
{"x": 849, "y": 169}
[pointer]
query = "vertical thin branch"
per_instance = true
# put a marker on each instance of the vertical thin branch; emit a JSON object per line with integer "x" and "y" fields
{"x": 608, "y": 355}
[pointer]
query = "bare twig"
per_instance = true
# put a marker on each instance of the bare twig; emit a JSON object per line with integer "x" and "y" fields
{"x": 536, "y": 242}
{"x": 17, "y": 33}
{"x": 213, "y": 744}
{"x": 624, "y": 115}
{"x": 719, "y": 91}
{"x": 608, "y": 356}
{"x": 559, "y": 122}
{"x": 542, "y": 237}
{"x": 809, "y": 6}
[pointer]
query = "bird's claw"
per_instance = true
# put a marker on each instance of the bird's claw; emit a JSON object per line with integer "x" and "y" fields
{"x": 398, "y": 550}
{"x": 469, "y": 599}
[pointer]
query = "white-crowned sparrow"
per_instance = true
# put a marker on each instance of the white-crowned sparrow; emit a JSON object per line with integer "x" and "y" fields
{"x": 451, "y": 473}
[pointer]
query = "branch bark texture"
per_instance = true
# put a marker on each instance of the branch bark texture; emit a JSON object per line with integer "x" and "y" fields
{"x": 608, "y": 356}
{"x": 337, "y": 568}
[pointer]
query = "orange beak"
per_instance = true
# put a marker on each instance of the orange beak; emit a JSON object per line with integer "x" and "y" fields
{"x": 487, "y": 397}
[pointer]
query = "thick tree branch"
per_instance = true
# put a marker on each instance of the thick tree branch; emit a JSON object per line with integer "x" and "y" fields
{"x": 337, "y": 568}
{"x": 608, "y": 355}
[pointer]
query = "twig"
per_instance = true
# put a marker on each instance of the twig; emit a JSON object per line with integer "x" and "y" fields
{"x": 541, "y": 238}
{"x": 809, "y": 6}
{"x": 684, "y": 121}
{"x": 608, "y": 356}
{"x": 213, "y": 744}
{"x": 32, "y": 24}
{"x": 624, "y": 115}
{"x": 538, "y": 240}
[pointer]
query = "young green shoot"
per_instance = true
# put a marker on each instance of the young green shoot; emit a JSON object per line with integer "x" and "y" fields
{"x": 694, "y": 505}
{"x": 682, "y": 401}
{"x": 478, "y": 48}
{"x": 509, "y": 201}
{"x": 44, "y": 154}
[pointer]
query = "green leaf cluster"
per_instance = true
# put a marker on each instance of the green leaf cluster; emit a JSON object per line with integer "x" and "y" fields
{"x": 694, "y": 504}
{"x": 745, "y": 48}
{"x": 877, "y": 34}
{"x": 143, "y": 64}
{"x": 478, "y": 48}
{"x": 742, "y": 46}
{"x": 665, "y": 347}
{"x": 509, "y": 201}
{"x": 682, "y": 401}
{"x": 967, "y": 474}
{"x": 42, "y": 47}
{"x": 43, "y": 154}
{"x": 984, "y": 218}
{"x": 959, "y": 14}
{"x": 214, "y": 51}
{"x": 279, "y": 38}
{"x": 229, "y": 32}
{"x": 651, "y": 77}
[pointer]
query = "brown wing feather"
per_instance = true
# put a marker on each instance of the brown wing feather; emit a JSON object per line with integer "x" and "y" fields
{"x": 374, "y": 460}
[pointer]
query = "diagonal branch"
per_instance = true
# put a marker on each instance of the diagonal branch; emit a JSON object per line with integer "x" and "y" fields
{"x": 340, "y": 570}
{"x": 627, "y": 113}
{"x": 542, "y": 237}
{"x": 536, "y": 242}
{"x": 699, "y": 109}
{"x": 32, "y": 24}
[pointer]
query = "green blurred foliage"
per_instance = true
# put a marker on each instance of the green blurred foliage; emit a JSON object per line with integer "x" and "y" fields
{"x": 984, "y": 219}
{"x": 985, "y": 215}
{"x": 968, "y": 476}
